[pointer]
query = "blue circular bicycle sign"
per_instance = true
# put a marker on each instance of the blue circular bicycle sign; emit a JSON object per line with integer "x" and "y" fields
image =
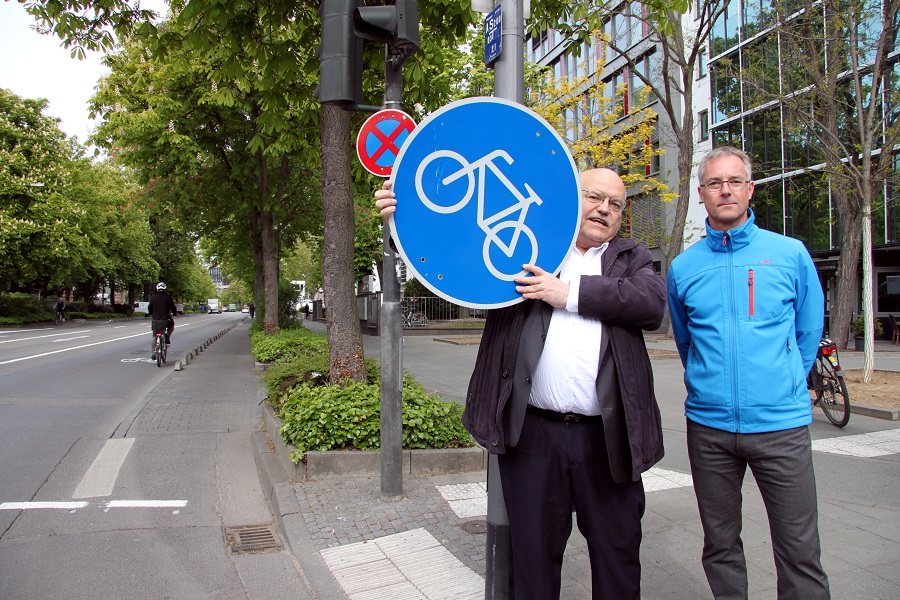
{"x": 484, "y": 186}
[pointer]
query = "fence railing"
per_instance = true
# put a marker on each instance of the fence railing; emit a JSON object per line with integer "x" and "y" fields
{"x": 443, "y": 313}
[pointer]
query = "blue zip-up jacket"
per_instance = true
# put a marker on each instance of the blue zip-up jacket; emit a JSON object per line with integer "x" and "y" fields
{"x": 747, "y": 312}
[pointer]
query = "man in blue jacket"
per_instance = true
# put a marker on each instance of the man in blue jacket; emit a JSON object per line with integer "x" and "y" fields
{"x": 747, "y": 313}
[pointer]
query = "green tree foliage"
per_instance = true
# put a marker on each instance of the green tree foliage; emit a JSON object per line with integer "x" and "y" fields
{"x": 837, "y": 86}
{"x": 64, "y": 221}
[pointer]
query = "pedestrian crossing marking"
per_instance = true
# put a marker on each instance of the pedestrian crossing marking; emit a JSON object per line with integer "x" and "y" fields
{"x": 864, "y": 445}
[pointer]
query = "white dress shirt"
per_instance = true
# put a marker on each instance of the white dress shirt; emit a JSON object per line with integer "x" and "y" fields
{"x": 565, "y": 378}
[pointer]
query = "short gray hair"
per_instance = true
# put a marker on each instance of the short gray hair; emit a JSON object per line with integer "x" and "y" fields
{"x": 725, "y": 151}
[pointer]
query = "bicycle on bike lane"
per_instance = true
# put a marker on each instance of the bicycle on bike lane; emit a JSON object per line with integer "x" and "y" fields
{"x": 162, "y": 310}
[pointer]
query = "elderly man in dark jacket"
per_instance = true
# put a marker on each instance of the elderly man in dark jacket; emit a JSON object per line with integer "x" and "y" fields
{"x": 562, "y": 391}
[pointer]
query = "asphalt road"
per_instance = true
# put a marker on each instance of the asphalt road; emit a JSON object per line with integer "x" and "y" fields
{"x": 119, "y": 479}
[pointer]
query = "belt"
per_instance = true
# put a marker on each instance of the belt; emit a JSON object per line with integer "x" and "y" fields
{"x": 552, "y": 415}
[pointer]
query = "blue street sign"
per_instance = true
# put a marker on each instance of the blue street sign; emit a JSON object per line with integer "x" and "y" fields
{"x": 492, "y": 38}
{"x": 484, "y": 186}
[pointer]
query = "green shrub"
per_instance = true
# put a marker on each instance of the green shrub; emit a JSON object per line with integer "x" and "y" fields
{"x": 14, "y": 320}
{"x": 343, "y": 417}
{"x": 286, "y": 345}
{"x": 26, "y": 306}
{"x": 279, "y": 378}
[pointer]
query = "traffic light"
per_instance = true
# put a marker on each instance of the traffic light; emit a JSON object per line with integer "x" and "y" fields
{"x": 396, "y": 25}
{"x": 340, "y": 56}
{"x": 344, "y": 27}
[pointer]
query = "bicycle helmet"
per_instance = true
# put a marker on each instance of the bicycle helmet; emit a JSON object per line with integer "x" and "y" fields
{"x": 160, "y": 287}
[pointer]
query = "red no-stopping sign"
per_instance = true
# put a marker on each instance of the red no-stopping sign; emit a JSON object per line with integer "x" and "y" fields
{"x": 380, "y": 139}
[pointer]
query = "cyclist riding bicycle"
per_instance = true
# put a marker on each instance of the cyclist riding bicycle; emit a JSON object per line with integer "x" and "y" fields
{"x": 60, "y": 309}
{"x": 161, "y": 308}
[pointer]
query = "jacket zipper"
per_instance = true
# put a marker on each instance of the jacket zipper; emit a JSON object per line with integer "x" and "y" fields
{"x": 750, "y": 286}
{"x": 733, "y": 341}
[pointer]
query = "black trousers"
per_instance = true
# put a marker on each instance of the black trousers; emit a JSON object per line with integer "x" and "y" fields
{"x": 555, "y": 468}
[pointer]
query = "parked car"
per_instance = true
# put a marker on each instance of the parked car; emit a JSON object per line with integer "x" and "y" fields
{"x": 246, "y": 309}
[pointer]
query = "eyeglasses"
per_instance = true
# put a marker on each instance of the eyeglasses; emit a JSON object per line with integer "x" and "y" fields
{"x": 616, "y": 204}
{"x": 735, "y": 184}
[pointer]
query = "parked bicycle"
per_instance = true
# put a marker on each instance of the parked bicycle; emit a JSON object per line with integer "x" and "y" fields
{"x": 826, "y": 384}
{"x": 411, "y": 318}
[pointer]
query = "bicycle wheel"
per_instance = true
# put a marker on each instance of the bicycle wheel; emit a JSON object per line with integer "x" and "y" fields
{"x": 436, "y": 179}
{"x": 833, "y": 396}
{"x": 159, "y": 353}
{"x": 418, "y": 320}
{"x": 165, "y": 350}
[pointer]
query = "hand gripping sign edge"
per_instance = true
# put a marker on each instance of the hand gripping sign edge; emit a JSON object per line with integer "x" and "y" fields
{"x": 372, "y": 130}
{"x": 495, "y": 160}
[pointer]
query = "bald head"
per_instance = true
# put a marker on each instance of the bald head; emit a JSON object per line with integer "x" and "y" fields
{"x": 602, "y": 203}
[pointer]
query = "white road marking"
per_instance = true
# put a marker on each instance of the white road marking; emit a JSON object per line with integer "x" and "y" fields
{"x": 77, "y": 337}
{"x": 864, "y": 445}
{"x": 100, "y": 478}
{"x": 33, "y": 505}
{"x": 120, "y": 327}
{"x": 657, "y": 479}
{"x": 466, "y": 499}
{"x": 146, "y": 504}
{"x": 17, "y": 331}
{"x": 470, "y": 499}
{"x": 127, "y": 337}
{"x": 71, "y": 506}
{"x": 37, "y": 337}
{"x": 412, "y": 564}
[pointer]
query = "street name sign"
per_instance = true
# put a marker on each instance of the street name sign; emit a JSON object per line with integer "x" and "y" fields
{"x": 492, "y": 37}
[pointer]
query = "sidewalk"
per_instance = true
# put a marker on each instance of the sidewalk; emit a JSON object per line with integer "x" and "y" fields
{"x": 431, "y": 544}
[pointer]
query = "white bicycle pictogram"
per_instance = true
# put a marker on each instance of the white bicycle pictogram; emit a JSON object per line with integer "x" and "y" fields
{"x": 493, "y": 224}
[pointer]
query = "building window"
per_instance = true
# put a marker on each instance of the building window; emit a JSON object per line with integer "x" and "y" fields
{"x": 725, "y": 30}
{"x": 701, "y": 64}
{"x": 726, "y": 90}
{"x": 703, "y": 117}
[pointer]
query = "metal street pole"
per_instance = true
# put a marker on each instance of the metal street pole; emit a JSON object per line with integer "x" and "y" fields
{"x": 509, "y": 84}
{"x": 391, "y": 329}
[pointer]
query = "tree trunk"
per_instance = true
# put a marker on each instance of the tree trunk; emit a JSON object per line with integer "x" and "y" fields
{"x": 259, "y": 280}
{"x": 344, "y": 338}
{"x": 270, "y": 272}
{"x": 844, "y": 303}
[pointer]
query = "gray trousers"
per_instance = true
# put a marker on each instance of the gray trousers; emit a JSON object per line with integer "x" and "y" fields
{"x": 781, "y": 463}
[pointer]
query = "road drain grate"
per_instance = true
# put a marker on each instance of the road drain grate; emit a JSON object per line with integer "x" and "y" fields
{"x": 251, "y": 538}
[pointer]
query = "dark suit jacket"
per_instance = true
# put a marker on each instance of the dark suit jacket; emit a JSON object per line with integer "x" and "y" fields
{"x": 628, "y": 297}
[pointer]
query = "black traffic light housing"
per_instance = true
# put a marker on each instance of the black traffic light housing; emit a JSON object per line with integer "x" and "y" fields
{"x": 345, "y": 25}
{"x": 396, "y": 25}
{"x": 340, "y": 56}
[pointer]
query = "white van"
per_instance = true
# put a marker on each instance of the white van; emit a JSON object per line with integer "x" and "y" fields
{"x": 141, "y": 308}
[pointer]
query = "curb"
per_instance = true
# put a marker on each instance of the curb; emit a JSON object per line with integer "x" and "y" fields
{"x": 279, "y": 491}
{"x": 888, "y": 414}
{"x": 183, "y": 362}
{"x": 347, "y": 463}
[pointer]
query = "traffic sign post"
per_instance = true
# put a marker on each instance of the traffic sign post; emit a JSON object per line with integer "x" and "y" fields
{"x": 380, "y": 139}
{"x": 487, "y": 186}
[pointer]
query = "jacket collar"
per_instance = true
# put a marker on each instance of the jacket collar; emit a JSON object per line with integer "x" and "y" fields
{"x": 738, "y": 237}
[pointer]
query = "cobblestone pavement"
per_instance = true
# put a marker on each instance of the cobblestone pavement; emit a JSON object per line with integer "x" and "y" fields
{"x": 339, "y": 512}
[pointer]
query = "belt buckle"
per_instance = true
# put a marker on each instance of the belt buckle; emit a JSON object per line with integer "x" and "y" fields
{"x": 570, "y": 418}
